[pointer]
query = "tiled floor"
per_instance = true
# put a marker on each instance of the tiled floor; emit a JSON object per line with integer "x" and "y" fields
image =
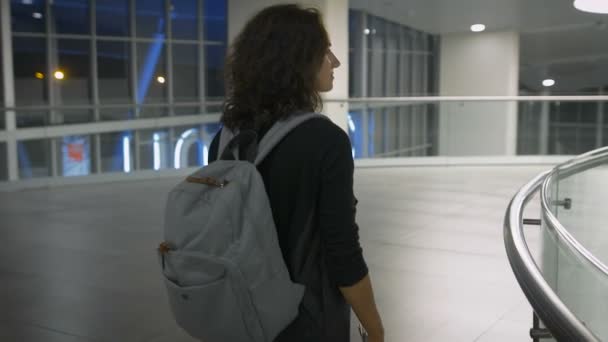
{"x": 78, "y": 263}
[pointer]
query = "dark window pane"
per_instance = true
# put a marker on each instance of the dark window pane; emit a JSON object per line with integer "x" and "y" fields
{"x": 113, "y": 72}
{"x": 155, "y": 149}
{"x": 151, "y": 72}
{"x": 1, "y": 88}
{"x": 153, "y": 112}
{"x": 214, "y": 20}
{"x": 117, "y": 151}
{"x": 150, "y": 18}
{"x": 74, "y": 116}
{"x": 32, "y": 118}
{"x": 111, "y": 114}
{"x": 214, "y": 58}
{"x": 34, "y": 158}
{"x": 3, "y": 162}
{"x": 112, "y": 17}
{"x": 71, "y": 16}
{"x": 184, "y": 19}
{"x": 187, "y": 110}
{"x": 75, "y": 65}
{"x": 29, "y": 59}
{"x": 185, "y": 72}
{"x": 28, "y": 16}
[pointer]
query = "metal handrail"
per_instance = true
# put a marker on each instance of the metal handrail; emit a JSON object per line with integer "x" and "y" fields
{"x": 562, "y": 323}
{"x": 402, "y": 99}
{"x": 432, "y": 99}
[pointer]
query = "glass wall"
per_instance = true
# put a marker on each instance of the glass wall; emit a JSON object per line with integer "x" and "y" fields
{"x": 388, "y": 59}
{"x": 84, "y": 61}
{"x": 568, "y": 128}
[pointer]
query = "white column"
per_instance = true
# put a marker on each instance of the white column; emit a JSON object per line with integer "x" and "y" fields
{"x": 335, "y": 15}
{"x": 478, "y": 64}
{"x": 9, "y": 89}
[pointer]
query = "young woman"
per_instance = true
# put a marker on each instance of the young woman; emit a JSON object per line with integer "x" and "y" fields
{"x": 277, "y": 66}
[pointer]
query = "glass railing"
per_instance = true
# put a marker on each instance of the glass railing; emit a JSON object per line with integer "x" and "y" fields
{"x": 66, "y": 141}
{"x": 567, "y": 282}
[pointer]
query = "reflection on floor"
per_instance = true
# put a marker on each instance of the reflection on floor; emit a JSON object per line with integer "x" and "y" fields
{"x": 79, "y": 264}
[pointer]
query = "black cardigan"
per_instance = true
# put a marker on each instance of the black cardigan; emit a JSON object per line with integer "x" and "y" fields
{"x": 309, "y": 180}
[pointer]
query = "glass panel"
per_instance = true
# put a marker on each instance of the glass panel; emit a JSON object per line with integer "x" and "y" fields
{"x": 71, "y": 79}
{"x": 1, "y": 83}
{"x": 153, "y": 112}
{"x": 117, "y": 151}
{"x": 185, "y": 72}
{"x": 184, "y": 17}
{"x": 112, "y": 17}
{"x": 109, "y": 114}
{"x": 155, "y": 149}
{"x": 75, "y": 155}
{"x": 3, "y": 162}
{"x": 151, "y": 72}
{"x": 28, "y": 16}
{"x": 187, "y": 110}
{"x": 528, "y": 123}
{"x": 32, "y": 118}
{"x": 113, "y": 67}
{"x": 71, "y": 16}
{"x": 34, "y": 158}
{"x": 74, "y": 116}
{"x": 150, "y": 18}
{"x": 214, "y": 20}
{"x": 214, "y": 70}
{"x": 189, "y": 148}
{"x": 577, "y": 282}
{"x": 29, "y": 58}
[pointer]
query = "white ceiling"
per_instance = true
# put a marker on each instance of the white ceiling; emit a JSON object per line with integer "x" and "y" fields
{"x": 557, "y": 40}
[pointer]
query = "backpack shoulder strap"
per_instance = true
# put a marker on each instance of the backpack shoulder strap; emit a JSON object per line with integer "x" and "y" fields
{"x": 279, "y": 130}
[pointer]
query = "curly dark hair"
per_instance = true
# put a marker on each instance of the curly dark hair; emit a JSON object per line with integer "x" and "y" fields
{"x": 272, "y": 67}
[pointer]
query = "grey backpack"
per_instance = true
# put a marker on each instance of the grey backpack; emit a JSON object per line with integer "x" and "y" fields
{"x": 221, "y": 262}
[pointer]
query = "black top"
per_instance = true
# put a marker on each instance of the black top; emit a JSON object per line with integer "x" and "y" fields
{"x": 309, "y": 180}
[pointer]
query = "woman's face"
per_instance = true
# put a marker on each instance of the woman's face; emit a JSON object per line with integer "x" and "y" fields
{"x": 325, "y": 77}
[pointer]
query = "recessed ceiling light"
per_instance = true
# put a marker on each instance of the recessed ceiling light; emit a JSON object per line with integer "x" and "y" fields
{"x": 37, "y": 15}
{"x": 160, "y": 79}
{"x": 548, "y": 82}
{"x": 592, "y": 6}
{"x": 478, "y": 27}
{"x": 366, "y": 31}
{"x": 59, "y": 75}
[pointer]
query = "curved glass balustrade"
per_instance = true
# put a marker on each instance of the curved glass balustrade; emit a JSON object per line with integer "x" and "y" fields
{"x": 567, "y": 281}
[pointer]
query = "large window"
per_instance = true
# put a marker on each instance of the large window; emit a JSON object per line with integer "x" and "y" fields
{"x": 164, "y": 52}
{"x": 81, "y": 61}
{"x": 390, "y": 59}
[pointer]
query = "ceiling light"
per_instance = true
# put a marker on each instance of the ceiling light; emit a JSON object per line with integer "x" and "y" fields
{"x": 478, "y": 28}
{"x": 548, "y": 82}
{"x": 592, "y": 6}
{"x": 37, "y": 15}
{"x": 59, "y": 75}
{"x": 39, "y": 75}
{"x": 366, "y": 31}
{"x": 160, "y": 79}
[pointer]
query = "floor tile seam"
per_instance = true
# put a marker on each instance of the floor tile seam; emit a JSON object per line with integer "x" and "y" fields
{"x": 443, "y": 250}
{"x": 42, "y": 327}
{"x": 500, "y": 318}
